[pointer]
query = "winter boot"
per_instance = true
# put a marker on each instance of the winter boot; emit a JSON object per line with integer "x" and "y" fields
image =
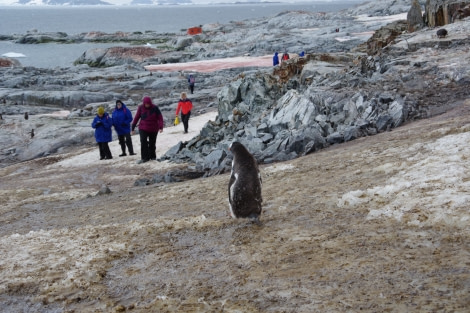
{"x": 123, "y": 148}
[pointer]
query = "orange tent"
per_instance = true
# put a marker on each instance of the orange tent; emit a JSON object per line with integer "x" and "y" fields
{"x": 194, "y": 30}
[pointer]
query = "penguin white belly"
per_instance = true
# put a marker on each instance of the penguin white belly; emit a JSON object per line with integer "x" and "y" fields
{"x": 232, "y": 193}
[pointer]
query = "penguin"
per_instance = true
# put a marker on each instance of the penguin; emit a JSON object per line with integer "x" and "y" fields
{"x": 441, "y": 33}
{"x": 32, "y": 133}
{"x": 25, "y": 115}
{"x": 244, "y": 188}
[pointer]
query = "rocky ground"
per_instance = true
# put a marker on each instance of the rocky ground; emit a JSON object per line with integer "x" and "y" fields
{"x": 375, "y": 224}
{"x": 124, "y": 76}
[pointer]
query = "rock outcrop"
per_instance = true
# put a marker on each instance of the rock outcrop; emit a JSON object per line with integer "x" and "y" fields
{"x": 297, "y": 110}
{"x": 9, "y": 62}
{"x": 116, "y": 56}
{"x": 414, "y": 17}
{"x": 443, "y": 12}
{"x": 327, "y": 97}
{"x": 280, "y": 126}
{"x": 383, "y": 37}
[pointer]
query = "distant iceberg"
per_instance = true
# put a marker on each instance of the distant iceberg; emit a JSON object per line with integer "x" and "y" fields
{"x": 13, "y": 55}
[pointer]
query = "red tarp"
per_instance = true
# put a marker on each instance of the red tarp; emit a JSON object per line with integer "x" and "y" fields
{"x": 194, "y": 30}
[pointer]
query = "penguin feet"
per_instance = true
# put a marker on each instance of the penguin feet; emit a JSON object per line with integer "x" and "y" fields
{"x": 255, "y": 220}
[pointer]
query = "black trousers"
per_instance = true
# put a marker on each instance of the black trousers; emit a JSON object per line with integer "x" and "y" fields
{"x": 191, "y": 87}
{"x": 126, "y": 140}
{"x": 148, "y": 147}
{"x": 185, "y": 120}
{"x": 105, "y": 153}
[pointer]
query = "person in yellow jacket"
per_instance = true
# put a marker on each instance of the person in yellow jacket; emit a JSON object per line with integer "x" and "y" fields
{"x": 185, "y": 106}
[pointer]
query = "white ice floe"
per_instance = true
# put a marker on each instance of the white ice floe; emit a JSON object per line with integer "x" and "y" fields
{"x": 13, "y": 55}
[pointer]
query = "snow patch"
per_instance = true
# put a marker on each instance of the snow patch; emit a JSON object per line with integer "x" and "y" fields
{"x": 279, "y": 168}
{"x": 432, "y": 188}
{"x": 13, "y": 55}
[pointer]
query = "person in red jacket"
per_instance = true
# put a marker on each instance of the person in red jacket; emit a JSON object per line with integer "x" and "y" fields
{"x": 185, "y": 106}
{"x": 151, "y": 122}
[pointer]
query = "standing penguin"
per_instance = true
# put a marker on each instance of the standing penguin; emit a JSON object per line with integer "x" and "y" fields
{"x": 26, "y": 115}
{"x": 244, "y": 188}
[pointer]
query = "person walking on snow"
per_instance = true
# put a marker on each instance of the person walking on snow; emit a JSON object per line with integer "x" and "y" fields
{"x": 185, "y": 106}
{"x": 102, "y": 123}
{"x": 191, "y": 81}
{"x": 151, "y": 122}
{"x": 122, "y": 118}
{"x": 285, "y": 56}
{"x": 275, "y": 59}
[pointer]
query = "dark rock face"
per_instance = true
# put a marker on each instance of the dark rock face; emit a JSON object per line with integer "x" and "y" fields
{"x": 414, "y": 17}
{"x": 443, "y": 12}
{"x": 278, "y": 127}
{"x": 461, "y": 13}
{"x": 384, "y": 36}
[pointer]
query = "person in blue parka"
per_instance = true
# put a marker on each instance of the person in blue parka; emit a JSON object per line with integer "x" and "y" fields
{"x": 275, "y": 59}
{"x": 122, "y": 118}
{"x": 103, "y": 123}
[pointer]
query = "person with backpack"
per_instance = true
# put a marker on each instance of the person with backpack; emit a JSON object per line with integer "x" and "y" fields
{"x": 191, "y": 81}
{"x": 102, "y": 123}
{"x": 185, "y": 106}
{"x": 122, "y": 118}
{"x": 151, "y": 123}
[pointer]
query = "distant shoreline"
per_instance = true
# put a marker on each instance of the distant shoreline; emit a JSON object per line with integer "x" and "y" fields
{"x": 108, "y": 5}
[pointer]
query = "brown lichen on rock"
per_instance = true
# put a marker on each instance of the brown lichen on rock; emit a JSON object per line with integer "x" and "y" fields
{"x": 7, "y": 62}
{"x": 135, "y": 53}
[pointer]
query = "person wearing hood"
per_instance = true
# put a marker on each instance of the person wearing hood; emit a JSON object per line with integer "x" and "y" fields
{"x": 151, "y": 122}
{"x": 191, "y": 82}
{"x": 276, "y": 59}
{"x": 102, "y": 123}
{"x": 122, "y": 118}
{"x": 185, "y": 106}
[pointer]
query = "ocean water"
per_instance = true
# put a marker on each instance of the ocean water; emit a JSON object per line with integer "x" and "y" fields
{"x": 109, "y": 19}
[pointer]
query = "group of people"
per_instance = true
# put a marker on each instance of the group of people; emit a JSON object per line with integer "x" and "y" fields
{"x": 121, "y": 120}
{"x": 285, "y": 56}
{"x": 150, "y": 122}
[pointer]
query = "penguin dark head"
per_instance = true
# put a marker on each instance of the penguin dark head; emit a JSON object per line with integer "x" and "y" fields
{"x": 236, "y": 147}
